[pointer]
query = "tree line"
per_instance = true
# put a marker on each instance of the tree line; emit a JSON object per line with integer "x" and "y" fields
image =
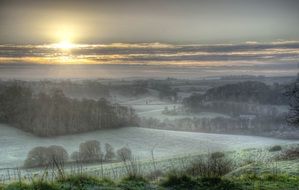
{"x": 51, "y": 114}
{"x": 245, "y": 92}
{"x": 271, "y": 125}
{"x": 89, "y": 152}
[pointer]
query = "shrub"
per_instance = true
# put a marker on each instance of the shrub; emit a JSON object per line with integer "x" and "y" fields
{"x": 82, "y": 182}
{"x": 216, "y": 183}
{"x": 154, "y": 174}
{"x": 18, "y": 186}
{"x": 44, "y": 186}
{"x": 175, "y": 181}
{"x": 215, "y": 165}
{"x": 290, "y": 154}
{"x": 217, "y": 155}
{"x": 275, "y": 148}
{"x": 135, "y": 183}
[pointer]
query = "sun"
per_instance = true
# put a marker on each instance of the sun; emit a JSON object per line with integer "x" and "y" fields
{"x": 64, "y": 44}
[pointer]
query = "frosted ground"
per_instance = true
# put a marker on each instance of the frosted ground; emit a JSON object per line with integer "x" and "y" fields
{"x": 15, "y": 144}
{"x": 155, "y": 107}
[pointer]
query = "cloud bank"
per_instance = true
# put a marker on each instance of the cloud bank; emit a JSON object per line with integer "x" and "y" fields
{"x": 156, "y": 53}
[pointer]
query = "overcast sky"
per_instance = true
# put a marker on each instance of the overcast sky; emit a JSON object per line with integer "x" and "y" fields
{"x": 172, "y": 21}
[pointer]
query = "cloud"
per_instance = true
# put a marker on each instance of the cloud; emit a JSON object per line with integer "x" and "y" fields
{"x": 147, "y": 53}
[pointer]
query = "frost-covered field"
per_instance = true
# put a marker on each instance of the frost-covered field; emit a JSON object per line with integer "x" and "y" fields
{"x": 153, "y": 107}
{"x": 15, "y": 144}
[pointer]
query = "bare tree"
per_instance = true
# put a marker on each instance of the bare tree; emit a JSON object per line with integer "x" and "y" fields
{"x": 124, "y": 154}
{"x": 90, "y": 151}
{"x": 110, "y": 154}
{"x": 57, "y": 153}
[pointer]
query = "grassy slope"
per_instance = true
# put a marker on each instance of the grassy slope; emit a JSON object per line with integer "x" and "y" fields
{"x": 274, "y": 175}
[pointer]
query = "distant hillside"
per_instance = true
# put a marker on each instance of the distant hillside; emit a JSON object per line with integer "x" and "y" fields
{"x": 55, "y": 114}
{"x": 249, "y": 91}
{"x": 245, "y": 92}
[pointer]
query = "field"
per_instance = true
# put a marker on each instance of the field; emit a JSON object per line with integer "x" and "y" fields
{"x": 15, "y": 144}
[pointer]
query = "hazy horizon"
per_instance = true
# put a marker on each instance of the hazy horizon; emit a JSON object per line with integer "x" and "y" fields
{"x": 149, "y": 60}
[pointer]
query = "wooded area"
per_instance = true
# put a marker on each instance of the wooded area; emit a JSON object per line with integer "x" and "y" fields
{"x": 55, "y": 114}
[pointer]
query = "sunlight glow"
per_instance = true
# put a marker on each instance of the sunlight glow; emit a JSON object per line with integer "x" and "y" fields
{"x": 65, "y": 44}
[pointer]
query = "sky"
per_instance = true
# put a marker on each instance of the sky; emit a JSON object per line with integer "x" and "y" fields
{"x": 168, "y": 38}
{"x": 134, "y": 21}
{"x": 149, "y": 60}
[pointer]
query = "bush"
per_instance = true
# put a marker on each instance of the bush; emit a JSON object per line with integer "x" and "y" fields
{"x": 216, "y": 183}
{"x": 84, "y": 182}
{"x": 217, "y": 155}
{"x": 178, "y": 182}
{"x": 44, "y": 186}
{"x": 154, "y": 174}
{"x": 135, "y": 183}
{"x": 215, "y": 165}
{"x": 18, "y": 186}
{"x": 290, "y": 154}
{"x": 275, "y": 148}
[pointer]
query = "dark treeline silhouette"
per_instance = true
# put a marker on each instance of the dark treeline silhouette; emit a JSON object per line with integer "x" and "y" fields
{"x": 55, "y": 114}
{"x": 293, "y": 95}
{"x": 141, "y": 87}
{"x": 236, "y": 108}
{"x": 246, "y": 125}
{"x": 95, "y": 89}
{"x": 75, "y": 89}
{"x": 245, "y": 92}
{"x": 134, "y": 88}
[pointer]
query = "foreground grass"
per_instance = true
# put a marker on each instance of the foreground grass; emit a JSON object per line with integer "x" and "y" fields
{"x": 170, "y": 182}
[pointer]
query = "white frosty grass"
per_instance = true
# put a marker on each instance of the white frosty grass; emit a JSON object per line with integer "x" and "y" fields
{"x": 155, "y": 110}
{"x": 15, "y": 144}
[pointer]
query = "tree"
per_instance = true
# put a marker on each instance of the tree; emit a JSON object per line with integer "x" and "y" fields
{"x": 43, "y": 156}
{"x": 90, "y": 151}
{"x": 37, "y": 157}
{"x": 110, "y": 155}
{"x": 57, "y": 154}
{"x": 124, "y": 154}
{"x": 293, "y": 94}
